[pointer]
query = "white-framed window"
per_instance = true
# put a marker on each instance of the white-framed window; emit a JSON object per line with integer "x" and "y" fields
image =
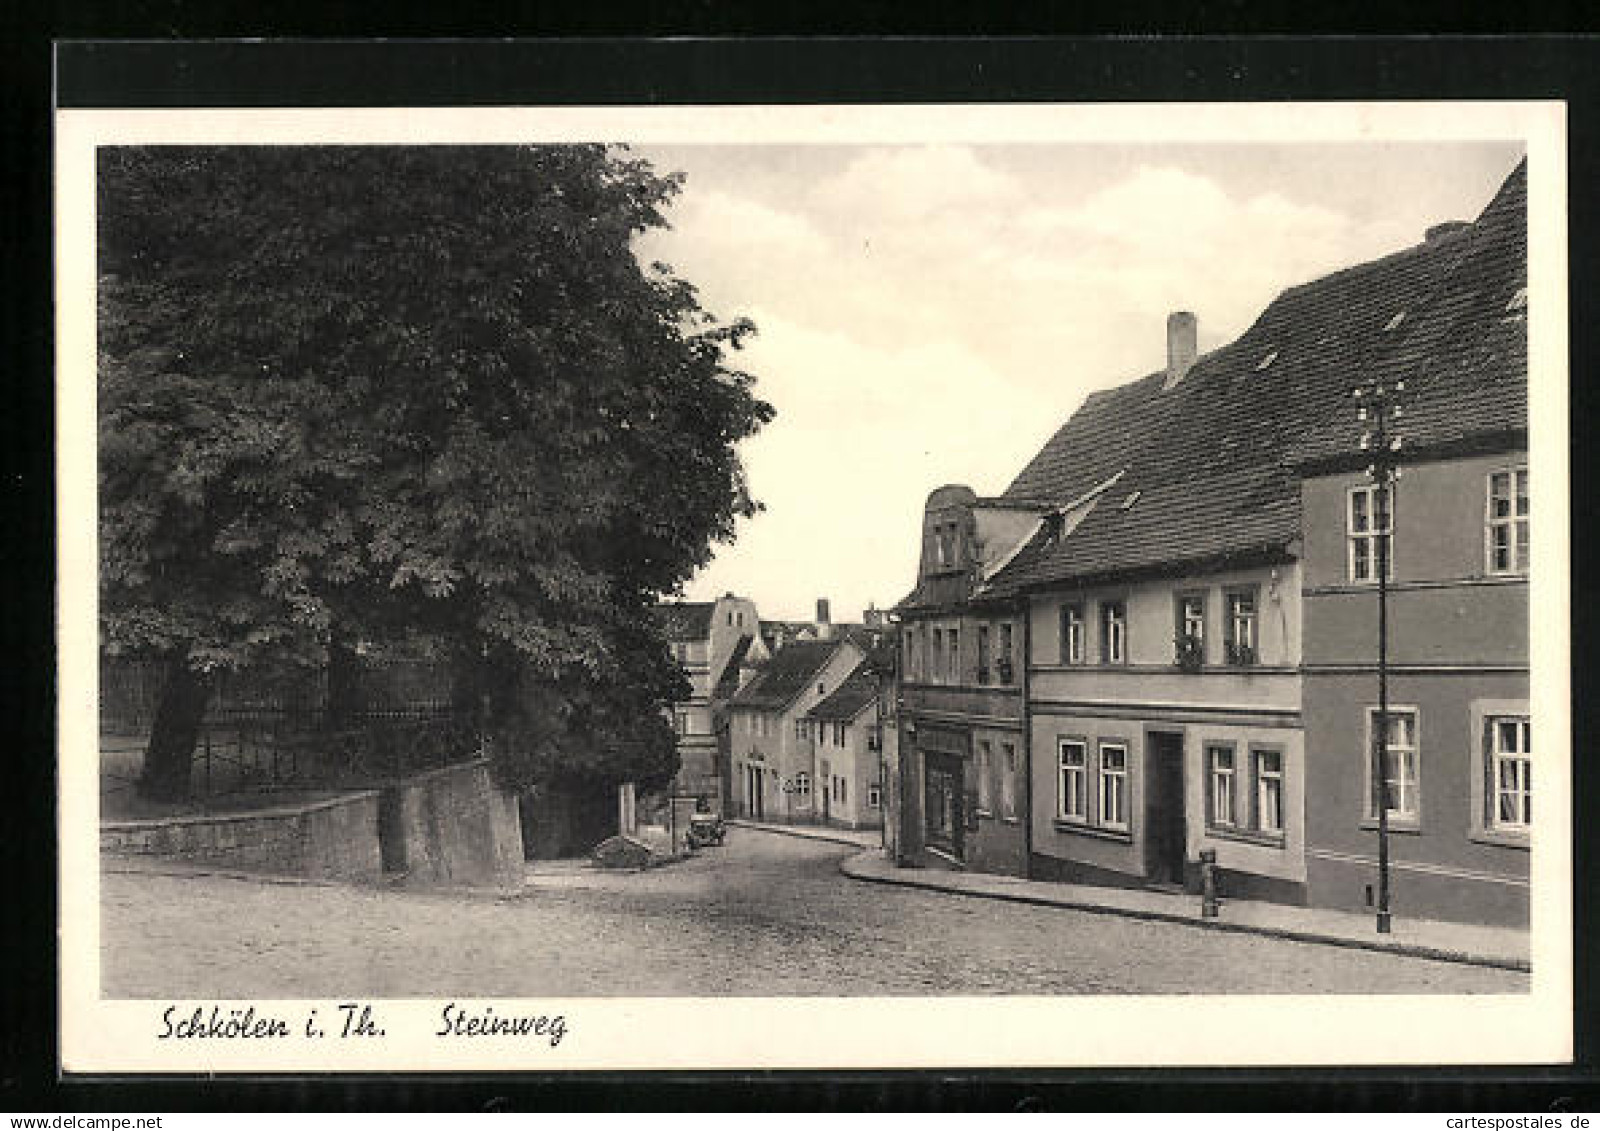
{"x": 1369, "y": 521}
{"x": 1113, "y": 632}
{"x": 955, "y": 655}
{"x": 1269, "y": 791}
{"x": 802, "y": 784}
{"x": 1221, "y": 775}
{"x": 1008, "y": 781}
{"x": 1114, "y": 785}
{"x": 985, "y": 776}
{"x": 874, "y": 795}
{"x": 1511, "y": 773}
{"x": 1506, "y": 521}
{"x": 1072, "y": 633}
{"x": 1002, "y": 660}
{"x": 1402, "y": 771}
{"x": 839, "y": 732}
{"x": 802, "y": 728}
{"x": 983, "y": 653}
{"x": 1241, "y": 642}
{"x": 1192, "y": 615}
{"x": 936, "y": 656}
{"x": 1072, "y": 794}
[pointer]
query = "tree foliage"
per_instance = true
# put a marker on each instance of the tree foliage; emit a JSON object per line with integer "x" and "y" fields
{"x": 363, "y": 392}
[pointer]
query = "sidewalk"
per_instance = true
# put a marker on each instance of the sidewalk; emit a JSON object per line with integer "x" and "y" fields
{"x": 1501, "y": 947}
{"x": 856, "y": 838}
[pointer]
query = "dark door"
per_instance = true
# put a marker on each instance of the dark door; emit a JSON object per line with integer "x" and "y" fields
{"x": 943, "y": 796}
{"x": 757, "y": 790}
{"x": 1164, "y": 817}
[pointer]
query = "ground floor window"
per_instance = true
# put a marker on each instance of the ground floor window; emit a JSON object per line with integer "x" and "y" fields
{"x": 802, "y": 784}
{"x": 1114, "y": 785}
{"x": 1401, "y": 779}
{"x": 1269, "y": 791}
{"x": 1244, "y": 791}
{"x": 874, "y": 796}
{"x": 985, "y": 776}
{"x": 1073, "y": 790}
{"x": 1511, "y": 771}
{"x": 1221, "y": 773}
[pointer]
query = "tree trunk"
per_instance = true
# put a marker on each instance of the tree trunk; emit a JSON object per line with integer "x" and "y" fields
{"x": 174, "y": 733}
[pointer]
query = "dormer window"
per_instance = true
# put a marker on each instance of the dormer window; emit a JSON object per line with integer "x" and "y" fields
{"x": 1266, "y": 361}
{"x": 1518, "y": 301}
{"x": 1394, "y": 323}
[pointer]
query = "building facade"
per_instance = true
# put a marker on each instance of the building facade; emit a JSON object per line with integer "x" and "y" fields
{"x": 706, "y": 638}
{"x": 1457, "y": 526}
{"x": 846, "y": 731}
{"x": 774, "y": 763}
{"x": 963, "y": 773}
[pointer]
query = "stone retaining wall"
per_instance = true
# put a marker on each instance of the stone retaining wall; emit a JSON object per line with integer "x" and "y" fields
{"x": 449, "y": 826}
{"x": 333, "y": 839}
{"x": 452, "y": 826}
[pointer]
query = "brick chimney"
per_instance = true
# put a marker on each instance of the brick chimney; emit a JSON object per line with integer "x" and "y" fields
{"x": 824, "y": 622}
{"x": 1182, "y": 346}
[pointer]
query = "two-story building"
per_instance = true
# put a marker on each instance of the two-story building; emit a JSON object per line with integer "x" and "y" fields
{"x": 774, "y": 765}
{"x": 708, "y": 637}
{"x": 846, "y": 731}
{"x": 963, "y": 777}
{"x": 1455, "y": 533}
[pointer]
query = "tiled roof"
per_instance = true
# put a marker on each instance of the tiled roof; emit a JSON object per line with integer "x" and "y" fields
{"x": 728, "y": 681}
{"x": 686, "y": 620}
{"x": 785, "y": 675}
{"x": 1210, "y": 465}
{"x": 859, "y": 689}
{"x": 1463, "y": 353}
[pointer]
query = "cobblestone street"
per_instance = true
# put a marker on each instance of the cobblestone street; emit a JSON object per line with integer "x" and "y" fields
{"x": 765, "y": 915}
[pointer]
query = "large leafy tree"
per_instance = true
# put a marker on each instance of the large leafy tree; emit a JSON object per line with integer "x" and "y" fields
{"x": 352, "y": 393}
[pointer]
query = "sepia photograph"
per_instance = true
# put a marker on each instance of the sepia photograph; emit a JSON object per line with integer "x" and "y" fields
{"x": 688, "y": 572}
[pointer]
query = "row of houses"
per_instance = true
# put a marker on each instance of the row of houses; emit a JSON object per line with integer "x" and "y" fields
{"x": 1160, "y": 639}
{"x": 785, "y": 720}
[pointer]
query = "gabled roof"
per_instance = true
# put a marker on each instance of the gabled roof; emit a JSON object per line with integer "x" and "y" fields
{"x": 788, "y": 673}
{"x": 686, "y": 620}
{"x": 728, "y": 681}
{"x": 850, "y": 698}
{"x": 1210, "y": 466}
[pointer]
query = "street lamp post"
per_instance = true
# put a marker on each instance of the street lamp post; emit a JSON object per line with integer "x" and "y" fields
{"x": 1378, "y": 411}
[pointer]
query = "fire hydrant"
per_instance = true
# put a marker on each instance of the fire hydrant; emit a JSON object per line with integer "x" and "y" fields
{"x": 1209, "y": 904}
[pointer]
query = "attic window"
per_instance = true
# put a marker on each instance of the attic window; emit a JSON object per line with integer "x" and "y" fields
{"x": 1266, "y": 361}
{"x": 1394, "y": 323}
{"x": 1518, "y": 301}
{"x": 1127, "y": 504}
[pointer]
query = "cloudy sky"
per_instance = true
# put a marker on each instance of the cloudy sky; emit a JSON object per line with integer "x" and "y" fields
{"x": 931, "y": 314}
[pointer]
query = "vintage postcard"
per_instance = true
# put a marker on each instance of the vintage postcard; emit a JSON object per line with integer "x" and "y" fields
{"x": 813, "y": 587}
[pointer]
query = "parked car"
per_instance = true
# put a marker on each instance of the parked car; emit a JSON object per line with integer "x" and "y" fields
{"x": 706, "y": 828}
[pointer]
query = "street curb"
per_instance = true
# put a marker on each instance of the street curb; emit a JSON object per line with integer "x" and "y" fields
{"x": 799, "y": 835}
{"x": 1411, "y": 950}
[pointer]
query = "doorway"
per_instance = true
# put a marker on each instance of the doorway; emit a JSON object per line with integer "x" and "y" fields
{"x": 755, "y": 792}
{"x": 943, "y": 796}
{"x": 1165, "y": 827}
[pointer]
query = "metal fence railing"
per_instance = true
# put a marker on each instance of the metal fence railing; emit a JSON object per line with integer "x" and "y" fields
{"x": 270, "y": 731}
